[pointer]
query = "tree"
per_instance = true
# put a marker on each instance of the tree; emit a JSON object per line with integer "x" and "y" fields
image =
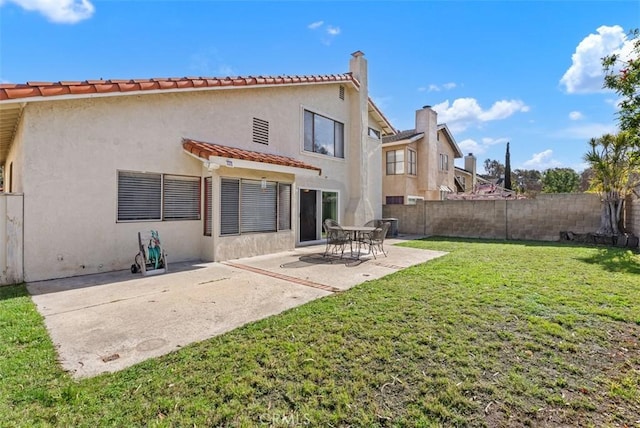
{"x": 616, "y": 172}
{"x": 623, "y": 76}
{"x": 493, "y": 168}
{"x": 560, "y": 180}
{"x": 585, "y": 180}
{"x": 507, "y": 170}
{"x": 528, "y": 180}
{"x": 615, "y": 159}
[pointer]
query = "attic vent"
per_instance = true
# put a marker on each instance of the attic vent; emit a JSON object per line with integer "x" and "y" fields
{"x": 260, "y": 131}
{"x": 341, "y": 92}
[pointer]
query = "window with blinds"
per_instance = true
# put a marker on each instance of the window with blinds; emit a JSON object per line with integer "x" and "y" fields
{"x": 229, "y": 206}
{"x": 149, "y": 196}
{"x": 139, "y": 196}
{"x": 284, "y": 206}
{"x": 181, "y": 198}
{"x": 253, "y": 206}
{"x": 208, "y": 206}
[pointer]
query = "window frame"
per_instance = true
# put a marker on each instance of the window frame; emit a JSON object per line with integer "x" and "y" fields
{"x": 282, "y": 195}
{"x": 161, "y": 197}
{"x": 444, "y": 162}
{"x": 392, "y": 166}
{"x": 412, "y": 162}
{"x": 311, "y": 146}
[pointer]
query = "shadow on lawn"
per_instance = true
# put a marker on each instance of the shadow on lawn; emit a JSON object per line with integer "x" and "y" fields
{"x": 12, "y": 291}
{"x": 614, "y": 260}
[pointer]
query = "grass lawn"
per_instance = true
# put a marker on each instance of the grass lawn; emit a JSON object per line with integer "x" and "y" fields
{"x": 493, "y": 334}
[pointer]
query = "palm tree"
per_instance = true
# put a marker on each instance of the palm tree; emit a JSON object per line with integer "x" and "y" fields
{"x": 615, "y": 161}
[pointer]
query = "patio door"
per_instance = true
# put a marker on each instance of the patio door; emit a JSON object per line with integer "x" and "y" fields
{"x": 315, "y": 207}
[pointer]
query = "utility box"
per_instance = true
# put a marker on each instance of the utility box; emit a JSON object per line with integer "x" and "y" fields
{"x": 393, "y": 230}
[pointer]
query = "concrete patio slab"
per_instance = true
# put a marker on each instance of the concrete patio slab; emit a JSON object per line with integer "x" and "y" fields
{"x": 106, "y": 322}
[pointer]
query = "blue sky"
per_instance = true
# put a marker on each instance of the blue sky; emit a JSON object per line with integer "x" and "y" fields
{"x": 496, "y": 71}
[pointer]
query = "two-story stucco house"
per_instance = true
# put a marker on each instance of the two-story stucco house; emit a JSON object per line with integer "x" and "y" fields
{"x": 418, "y": 164}
{"x": 221, "y": 167}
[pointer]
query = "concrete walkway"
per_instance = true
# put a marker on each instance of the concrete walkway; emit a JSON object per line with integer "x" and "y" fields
{"x": 106, "y": 322}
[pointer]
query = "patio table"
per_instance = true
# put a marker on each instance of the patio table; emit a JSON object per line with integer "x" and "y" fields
{"x": 355, "y": 234}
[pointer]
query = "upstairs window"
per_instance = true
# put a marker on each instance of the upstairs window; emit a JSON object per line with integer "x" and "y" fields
{"x": 444, "y": 162}
{"x": 323, "y": 135}
{"x": 412, "y": 162}
{"x": 395, "y": 162}
{"x": 374, "y": 133}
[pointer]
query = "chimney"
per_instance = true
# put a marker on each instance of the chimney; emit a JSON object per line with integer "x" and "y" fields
{"x": 470, "y": 165}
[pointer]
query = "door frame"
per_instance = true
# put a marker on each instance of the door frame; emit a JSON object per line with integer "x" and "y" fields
{"x": 319, "y": 191}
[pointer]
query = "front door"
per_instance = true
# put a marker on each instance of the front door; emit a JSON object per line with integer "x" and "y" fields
{"x": 308, "y": 215}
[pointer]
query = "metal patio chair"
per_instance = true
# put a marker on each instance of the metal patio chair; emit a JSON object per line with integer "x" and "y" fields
{"x": 337, "y": 238}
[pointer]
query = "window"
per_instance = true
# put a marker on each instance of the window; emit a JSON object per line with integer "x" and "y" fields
{"x": 374, "y": 133}
{"x": 181, "y": 200}
{"x": 208, "y": 206}
{"x": 260, "y": 131}
{"x": 412, "y": 163}
{"x": 323, "y": 135}
{"x": 395, "y": 200}
{"x": 444, "y": 162}
{"x": 147, "y": 196}
{"x": 413, "y": 200}
{"x": 11, "y": 177}
{"x": 249, "y": 206}
{"x": 395, "y": 162}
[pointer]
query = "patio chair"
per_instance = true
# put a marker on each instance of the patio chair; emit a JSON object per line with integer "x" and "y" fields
{"x": 375, "y": 239}
{"x": 337, "y": 238}
{"x": 374, "y": 223}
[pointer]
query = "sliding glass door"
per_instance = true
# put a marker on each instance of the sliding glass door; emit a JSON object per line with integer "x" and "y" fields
{"x": 315, "y": 207}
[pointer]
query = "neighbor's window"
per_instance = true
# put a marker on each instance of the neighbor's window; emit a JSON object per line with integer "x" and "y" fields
{"x": 323, "y": 135}
{"x": 395, "y": 200}
{"x": 395, "y": 162}
{"x": 412, "y": 163}
{"x": 444, "y": 162}
{"x": 248, "y": 206}
{"x": 149, "y": 196}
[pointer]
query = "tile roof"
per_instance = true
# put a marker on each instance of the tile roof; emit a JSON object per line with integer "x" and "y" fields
{"x": 13, "y": 91}
{"x": 204, "y": 150}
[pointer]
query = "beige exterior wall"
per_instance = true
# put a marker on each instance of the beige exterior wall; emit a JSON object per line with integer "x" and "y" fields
{"x": 542, "y": 218}
{"x": 70, "y": 151}
{"x": 11, "y": 242}
{"x": 444, "y": 177}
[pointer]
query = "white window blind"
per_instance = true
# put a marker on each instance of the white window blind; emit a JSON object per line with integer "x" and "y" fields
{"x": 181, "y": 198}
{"x": 258, "y": 206}
{"x": 139, "y": 196}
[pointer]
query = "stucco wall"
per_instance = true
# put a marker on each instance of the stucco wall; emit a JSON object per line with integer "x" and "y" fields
{"x": 74, "y": 148}
{"x": 542, "y": 218}
{"x": 11, "y": 243}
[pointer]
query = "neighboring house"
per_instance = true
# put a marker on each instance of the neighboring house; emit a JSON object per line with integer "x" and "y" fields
{"x": 466, "y": 178}
{"x": 418, "y": 163}
{"x": 222, "y": 167}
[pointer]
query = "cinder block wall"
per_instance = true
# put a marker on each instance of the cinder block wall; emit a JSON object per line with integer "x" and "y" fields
{"x": 541, "y": 219}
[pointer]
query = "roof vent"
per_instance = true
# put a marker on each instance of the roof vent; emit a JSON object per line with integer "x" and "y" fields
{"x": 341, "y": 93}
{"x": 426, "y": 106}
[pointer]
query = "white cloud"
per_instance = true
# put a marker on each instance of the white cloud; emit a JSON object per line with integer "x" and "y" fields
{"x": 315, "y": 25}
{"x": 585, "y": 74}
{"x": 541, "y": 161}
{"x": 58, "y": 11}
{"x": 333, "y": 31}
{"x": 471, "y": 146}
{"x": 576, "y": 115}
{"x": 466, "y": 112}
{"x": 436, "y": 88}
{"x": 208, "y": 62}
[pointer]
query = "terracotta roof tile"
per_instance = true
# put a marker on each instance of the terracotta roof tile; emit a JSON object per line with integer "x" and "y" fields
{"x": 204, "y": 150}
{"x": 12, "y": 91}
